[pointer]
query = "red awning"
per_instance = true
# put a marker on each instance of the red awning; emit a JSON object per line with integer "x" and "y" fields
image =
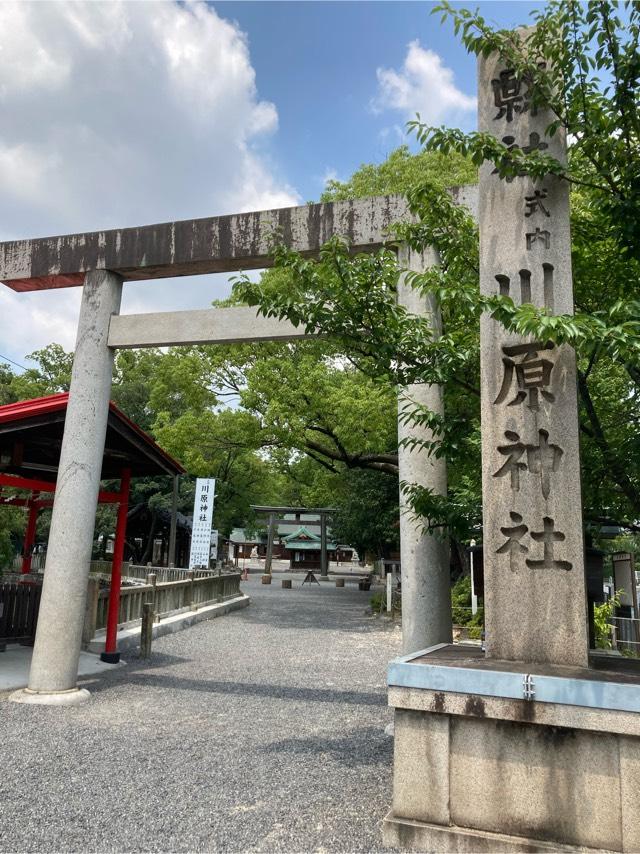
{"x": 31, "y": 438}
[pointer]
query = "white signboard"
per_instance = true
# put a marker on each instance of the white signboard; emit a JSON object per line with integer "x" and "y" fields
{"x": 202, "y": 516}
{"x": 213, "y": 554}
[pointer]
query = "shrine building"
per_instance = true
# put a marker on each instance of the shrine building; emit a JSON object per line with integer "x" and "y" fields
{"x": 30, "y": 441}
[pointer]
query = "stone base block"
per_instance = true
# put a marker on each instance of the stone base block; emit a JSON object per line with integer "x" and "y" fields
{"x": 468, "y": 782}
{"x": 73, "y": 697}
{"x": 513, "y": 756}
{"x": 409, "y": 835}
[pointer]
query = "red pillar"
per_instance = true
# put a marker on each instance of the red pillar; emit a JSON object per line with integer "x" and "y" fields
{"x": 110, "y": 654}
{"x": 30, "y": 534}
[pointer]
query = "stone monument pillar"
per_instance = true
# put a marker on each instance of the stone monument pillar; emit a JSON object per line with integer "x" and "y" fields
{"x": 510, "y": 751}
{"x": 535, "y": 599}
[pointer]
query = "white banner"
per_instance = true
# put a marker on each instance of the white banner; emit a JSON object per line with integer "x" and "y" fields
{"x": 202, "y": 517}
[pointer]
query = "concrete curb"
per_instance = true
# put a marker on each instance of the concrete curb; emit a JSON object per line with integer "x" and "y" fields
{"x": 129, "y": 638}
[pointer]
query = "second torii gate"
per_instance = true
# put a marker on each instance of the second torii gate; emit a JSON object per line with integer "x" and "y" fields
{"x": 101, "y": 262}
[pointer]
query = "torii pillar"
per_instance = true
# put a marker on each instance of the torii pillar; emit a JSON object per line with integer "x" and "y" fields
{"x": 424, "y": 555}
{"x": 54, "y": 666}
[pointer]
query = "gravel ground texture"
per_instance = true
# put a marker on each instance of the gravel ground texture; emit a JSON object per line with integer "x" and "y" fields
{"x": 259, "y": 731}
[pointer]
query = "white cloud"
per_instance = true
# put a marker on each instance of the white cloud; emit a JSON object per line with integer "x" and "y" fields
{"x": 424, "y": 85}
{"x": 395, "y": 133}
{"x": 329, "y": 174}
{"x": 119, "y": 113}
{"x": 30, "y": 321}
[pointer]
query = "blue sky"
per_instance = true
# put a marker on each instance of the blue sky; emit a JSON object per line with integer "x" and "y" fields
{"x": 317, "y": 62}
{"x": 129, "y": 113}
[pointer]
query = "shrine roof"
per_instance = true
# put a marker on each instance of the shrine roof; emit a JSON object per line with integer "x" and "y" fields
{"x": 31, "y": 438}
{"x": 303, "y": 534}
{"x": 304, "y": 539}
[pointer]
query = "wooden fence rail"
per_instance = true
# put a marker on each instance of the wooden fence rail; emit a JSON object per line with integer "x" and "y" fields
{"x": 140, "y": 572}
{"x": 20, "y": 602}
{"x": 164, "y": 573}
{"x": 168, "y": 597}
{"x": 129, "y": 570}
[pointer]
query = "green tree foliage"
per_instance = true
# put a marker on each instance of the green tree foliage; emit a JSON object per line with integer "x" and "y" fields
{"x": 223, "y": 444}
{"x": 582, "y": 59}
{"x": 52, "y": 374}
{"x": 12, "y": 522}
{"x": 368, "y": 515}
{"x": 7, "y": 394}
{"x": 352, "y": 300}
{"x": 401, "y": 172}
{"x": 603, "y": 615}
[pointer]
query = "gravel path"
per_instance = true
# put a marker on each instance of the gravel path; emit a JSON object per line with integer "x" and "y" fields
{"x": 259, "y": 731}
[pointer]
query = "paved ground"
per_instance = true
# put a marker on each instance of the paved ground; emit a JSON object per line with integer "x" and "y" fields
{"x": 15, "y": 663}
{"x": 259, "y": 731}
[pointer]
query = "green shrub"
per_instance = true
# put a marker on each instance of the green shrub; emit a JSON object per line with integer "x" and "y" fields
{"x": 6, "y": 550}
{"x": 461, "y": 607}
{"x": 378, "y": 602}
{"x": 602, "y": 615}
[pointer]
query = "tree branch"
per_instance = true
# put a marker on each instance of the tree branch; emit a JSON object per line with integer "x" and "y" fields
{"x": 381, "y": 462}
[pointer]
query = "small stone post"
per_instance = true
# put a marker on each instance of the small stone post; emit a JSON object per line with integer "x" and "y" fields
{"x": 146, "y": 630}
{"x": 91, "y": 609}
{"x": 190, "y": 591}
{"x": 152, "y": 579}
{"x": 270, "y": 538}
{"x": 426, "y": 587}
{"x": 535, "y": 601}
{"x": 54, "y": 666}
{"x": 324, "y": 556}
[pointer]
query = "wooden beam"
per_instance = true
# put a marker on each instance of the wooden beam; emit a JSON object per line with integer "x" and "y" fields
{"x": 17, "y": 482}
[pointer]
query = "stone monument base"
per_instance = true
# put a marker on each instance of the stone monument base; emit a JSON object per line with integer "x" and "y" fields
{"x": 420, "y": 836}
{"x": 509, "y": 756}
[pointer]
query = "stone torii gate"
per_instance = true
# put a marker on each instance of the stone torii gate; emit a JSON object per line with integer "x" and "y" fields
{"x": 101, "y": 262}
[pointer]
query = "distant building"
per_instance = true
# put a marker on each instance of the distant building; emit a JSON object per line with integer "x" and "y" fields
{"x": 294, "y": 541}
{"x": 303, "y": 550}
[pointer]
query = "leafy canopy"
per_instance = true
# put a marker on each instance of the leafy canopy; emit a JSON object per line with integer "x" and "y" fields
{"x": 582, "y": 60}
